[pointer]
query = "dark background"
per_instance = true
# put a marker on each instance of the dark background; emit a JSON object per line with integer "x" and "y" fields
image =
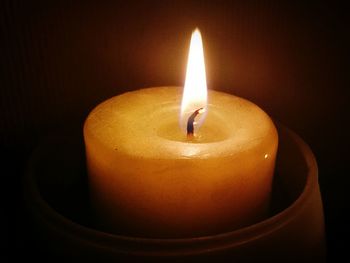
{"x": 60, "y": 59}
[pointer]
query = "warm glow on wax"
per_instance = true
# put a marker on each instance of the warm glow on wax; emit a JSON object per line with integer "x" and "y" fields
{"x": 195, "y": 90}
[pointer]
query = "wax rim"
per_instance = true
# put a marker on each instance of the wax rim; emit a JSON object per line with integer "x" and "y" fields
{"x": 171, "y": 147}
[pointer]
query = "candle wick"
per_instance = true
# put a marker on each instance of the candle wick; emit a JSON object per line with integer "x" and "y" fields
{"x": 190, "y": 123}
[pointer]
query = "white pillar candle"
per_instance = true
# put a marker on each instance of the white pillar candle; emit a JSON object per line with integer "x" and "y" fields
{"x": 148, "y": 178}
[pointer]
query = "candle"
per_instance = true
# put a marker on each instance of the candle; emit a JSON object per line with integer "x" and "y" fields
{"x": 151, "y": 176}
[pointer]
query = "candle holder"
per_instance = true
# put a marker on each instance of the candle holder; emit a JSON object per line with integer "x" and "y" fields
{"x": 57, "y": 200}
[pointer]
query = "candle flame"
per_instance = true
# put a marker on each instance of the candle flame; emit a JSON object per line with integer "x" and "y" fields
{"x": 195, "y": 90}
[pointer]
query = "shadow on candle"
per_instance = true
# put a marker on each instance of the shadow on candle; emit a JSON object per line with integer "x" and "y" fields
{"x": 56, "y": 195}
